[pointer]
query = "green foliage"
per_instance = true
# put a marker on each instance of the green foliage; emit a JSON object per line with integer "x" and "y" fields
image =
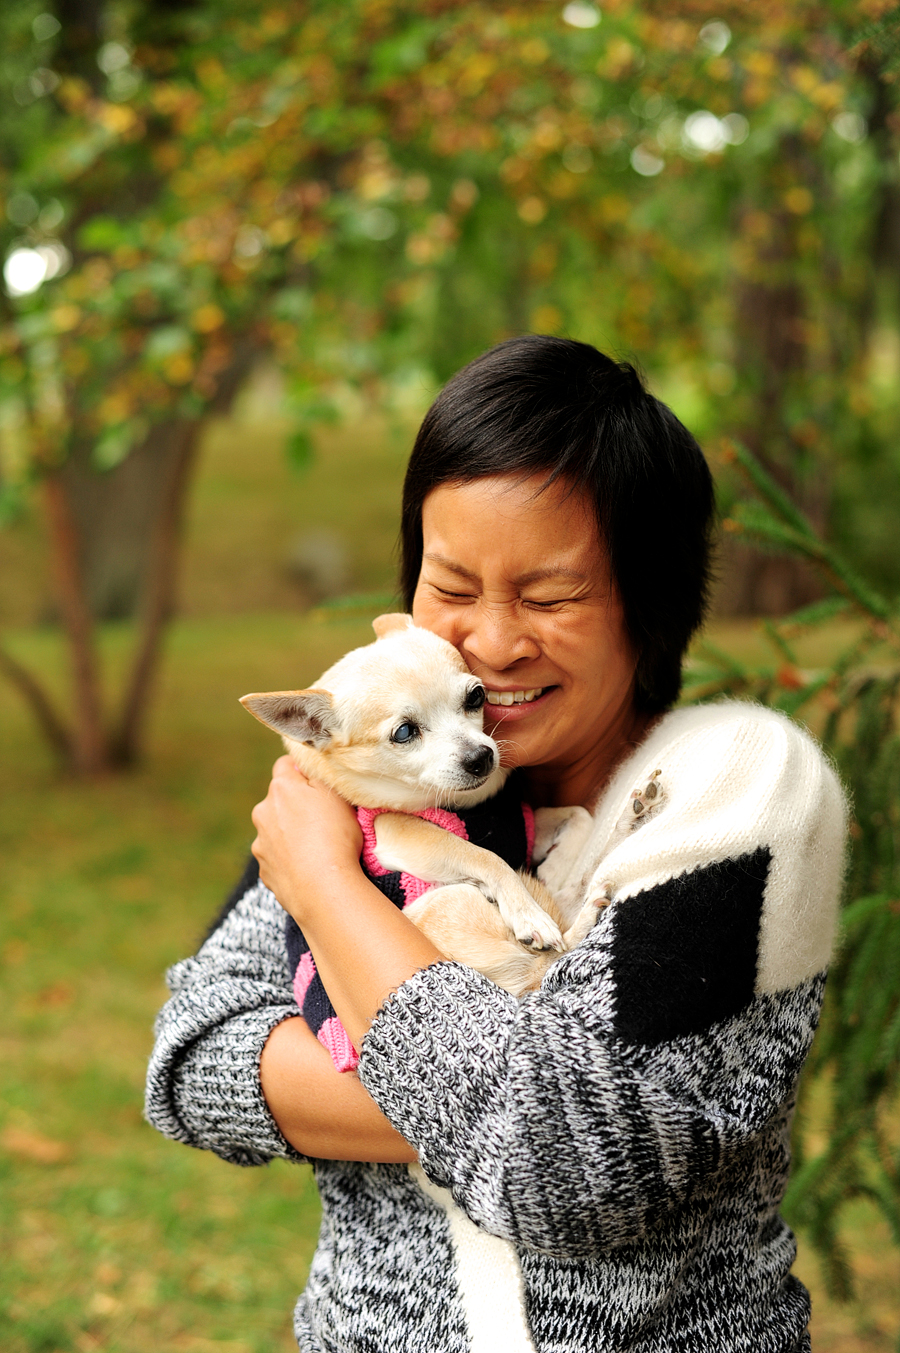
{"x": 853, "y": 702}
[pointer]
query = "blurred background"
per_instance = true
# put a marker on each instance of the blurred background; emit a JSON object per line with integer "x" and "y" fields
{"x": 243, "y": 244}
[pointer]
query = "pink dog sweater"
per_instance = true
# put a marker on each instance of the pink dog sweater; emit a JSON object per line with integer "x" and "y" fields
{"x": 503, "y": 824}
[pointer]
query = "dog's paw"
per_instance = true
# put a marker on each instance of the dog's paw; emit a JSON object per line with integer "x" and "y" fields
{"x": 527, "y": 919}
{"x": 539, "y": 935}
{"x": 600, "y": 896}
{"x": 643, "y": 801}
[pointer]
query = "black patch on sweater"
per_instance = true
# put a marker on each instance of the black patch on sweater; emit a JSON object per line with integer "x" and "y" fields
{"x": 684, "y": 953}
{"x": 248, "y": 880}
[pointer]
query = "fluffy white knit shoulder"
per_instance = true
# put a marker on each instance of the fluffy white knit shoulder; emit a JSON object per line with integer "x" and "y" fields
{"x": 735, "y": 777}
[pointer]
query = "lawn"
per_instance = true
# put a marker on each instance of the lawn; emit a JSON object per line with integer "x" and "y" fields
{"x": 112, "y": 1238}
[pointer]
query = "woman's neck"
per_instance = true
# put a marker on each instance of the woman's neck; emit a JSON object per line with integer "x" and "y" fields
{"x": 582, "y": 780}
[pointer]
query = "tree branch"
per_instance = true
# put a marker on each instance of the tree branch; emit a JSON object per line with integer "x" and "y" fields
{"x": 51, "y": 725}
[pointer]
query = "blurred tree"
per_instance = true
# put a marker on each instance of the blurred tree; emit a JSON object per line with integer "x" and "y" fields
{"x": 384, "y": 188}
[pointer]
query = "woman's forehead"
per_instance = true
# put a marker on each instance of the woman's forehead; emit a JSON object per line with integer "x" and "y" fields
{"x": 541, "y": 530}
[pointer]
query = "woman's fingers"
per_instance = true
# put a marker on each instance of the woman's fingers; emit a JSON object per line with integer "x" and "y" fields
{"x": 303, "y": 833}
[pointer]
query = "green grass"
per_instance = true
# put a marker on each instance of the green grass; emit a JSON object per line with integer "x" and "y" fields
{"x": 128, "y": 1242}
{"x": 113, "y": 1238}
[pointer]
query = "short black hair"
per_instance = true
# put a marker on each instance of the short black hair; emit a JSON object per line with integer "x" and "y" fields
{"x": 544, "y": 405}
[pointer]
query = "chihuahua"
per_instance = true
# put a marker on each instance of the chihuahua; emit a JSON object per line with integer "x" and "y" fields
{"x": 397, "y": 726}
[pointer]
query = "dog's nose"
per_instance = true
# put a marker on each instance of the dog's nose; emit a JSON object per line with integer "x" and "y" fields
{"x": 479, "y": 762}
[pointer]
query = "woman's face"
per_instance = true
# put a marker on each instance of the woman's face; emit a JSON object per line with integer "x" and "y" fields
{"x": 518, "y": 581}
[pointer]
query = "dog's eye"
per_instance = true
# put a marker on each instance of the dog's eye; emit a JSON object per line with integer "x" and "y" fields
{"x": 405, "y": 733}
{"x": 475, "y": 698}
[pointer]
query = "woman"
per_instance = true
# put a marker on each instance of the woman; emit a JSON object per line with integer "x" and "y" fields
{"x": 599, "y": 1165}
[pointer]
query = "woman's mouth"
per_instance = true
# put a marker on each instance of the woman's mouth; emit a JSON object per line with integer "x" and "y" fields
{"x": 503, "y": 706}
{"x": 514, "y": 697}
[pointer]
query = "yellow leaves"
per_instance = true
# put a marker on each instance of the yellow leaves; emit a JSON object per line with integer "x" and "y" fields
{"x": 546, "y": 319}
{"x": 211, "y": 74}
{"x": 308, "y": 244}
{"x": 618, "y": 58}
{"x": 74, "y": 94}
{"x": 542, "y": 263}
{"x": 416, "y": 188}
{"x": 179, "y": 368}
{"x": 534, "y": 51}
{"x": 799, "y": 201}
{"x": 804, "y": 78}
{"x": 475, "y": 71}
{"x": 115, "y": 408}
{"x": 275, "y": 22}
{"x": 116, "y": 118}
{"x": 431, "y": 244}
{"x": 464, "y": 194}
{"x": 514, "y": 169}
{"x": 65, "y": 317}
{"x": 613, "y": 208}
{"x": 828, "y": 96}
{"x": 207, "y": 318}
{"x": 760, "y": 63}
{"x": 563, "y": 184}
{"x": 532, "y": 210}
{"x": 547, "y": 135}
{"x": 375, "y": 183}
{"x": 281, "y": 231}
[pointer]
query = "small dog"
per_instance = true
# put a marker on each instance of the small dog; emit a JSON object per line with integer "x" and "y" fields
{"x": 397, "y": 725}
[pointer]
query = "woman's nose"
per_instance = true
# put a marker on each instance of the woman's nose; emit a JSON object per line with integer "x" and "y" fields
{"x": 496, "y": 638}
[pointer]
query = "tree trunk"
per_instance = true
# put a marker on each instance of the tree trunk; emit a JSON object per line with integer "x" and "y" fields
{"x": 172, "y": 446}
{"x": 88, "y": 744}
{"x": 115, "y": 513}
{"x": 176, "y": 444}
{"x": 775, "y": 363}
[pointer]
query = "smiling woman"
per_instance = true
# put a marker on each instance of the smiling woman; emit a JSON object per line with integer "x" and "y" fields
{"x": 601, "y": 1163}
{"x": 550, "y": 644}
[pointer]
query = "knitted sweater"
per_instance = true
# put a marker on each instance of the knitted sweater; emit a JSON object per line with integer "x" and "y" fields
{"x": 502, "y": 824}
{"x": 601, "y": 1162}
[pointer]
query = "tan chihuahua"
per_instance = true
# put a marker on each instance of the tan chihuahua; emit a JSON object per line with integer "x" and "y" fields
{"x": 398, "y": 725}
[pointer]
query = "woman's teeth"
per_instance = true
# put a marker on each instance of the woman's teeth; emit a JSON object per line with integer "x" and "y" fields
{"x": 513, "y": 697}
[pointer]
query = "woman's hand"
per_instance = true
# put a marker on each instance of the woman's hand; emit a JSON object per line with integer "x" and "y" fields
{"x": 307, "y": 840}
{"x": 308, "y": 846}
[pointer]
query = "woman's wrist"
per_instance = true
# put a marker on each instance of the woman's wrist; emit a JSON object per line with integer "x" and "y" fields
{"x": 304, "y": 898}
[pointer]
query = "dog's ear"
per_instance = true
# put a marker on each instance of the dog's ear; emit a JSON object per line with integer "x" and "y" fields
{"x": 387, "y": 624}
{"x": 305, "y": 716}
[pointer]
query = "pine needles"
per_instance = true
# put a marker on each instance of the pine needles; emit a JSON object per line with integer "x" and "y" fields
{"x": 852, "y": 705}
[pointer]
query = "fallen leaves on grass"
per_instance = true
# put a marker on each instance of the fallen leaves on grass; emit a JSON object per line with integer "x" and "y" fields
{"x": 29, "y": 1145}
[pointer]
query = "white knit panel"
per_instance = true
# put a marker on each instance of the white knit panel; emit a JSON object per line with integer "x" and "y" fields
{"x": 736, "y": 777}
{"x": 488, "y": 1276}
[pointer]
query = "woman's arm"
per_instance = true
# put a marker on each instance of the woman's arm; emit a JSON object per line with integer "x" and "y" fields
{"x": 323, "y": 1113}
{"x": 653, "y": 1074}
{"x": 235, "y": 1069}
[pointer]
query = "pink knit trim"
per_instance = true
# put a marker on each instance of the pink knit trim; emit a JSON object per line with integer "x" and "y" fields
{"x": 411, "y": 886}
{"x": 366, "y": 819}
{"x": 528, "y": 814}
{"x": 306, "y": 971}
{"x": 333, "y": 1036}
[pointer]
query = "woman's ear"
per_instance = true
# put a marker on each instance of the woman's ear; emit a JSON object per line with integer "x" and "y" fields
{"x": 387, "y": 624}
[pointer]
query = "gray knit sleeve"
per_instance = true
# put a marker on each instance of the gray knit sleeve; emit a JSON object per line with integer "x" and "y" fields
{"x": 203, "y": 1080}
{"x": 555, "y": 1130}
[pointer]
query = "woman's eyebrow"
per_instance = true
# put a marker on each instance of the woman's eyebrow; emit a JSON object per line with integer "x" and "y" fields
{"x": 535, "y": 575}
{"x": 451, "y": 566}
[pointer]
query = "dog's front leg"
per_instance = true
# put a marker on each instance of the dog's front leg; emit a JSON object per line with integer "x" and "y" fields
{"x": 437, "y": 856}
